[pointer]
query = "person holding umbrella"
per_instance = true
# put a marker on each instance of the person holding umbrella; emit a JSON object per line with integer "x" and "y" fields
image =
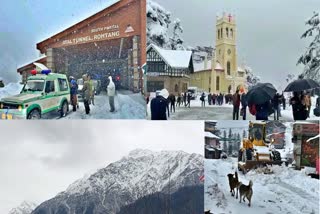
{"x": 297, "y": 107}
{"x": 300, "y": 104}
{"x": 260, "y": 95}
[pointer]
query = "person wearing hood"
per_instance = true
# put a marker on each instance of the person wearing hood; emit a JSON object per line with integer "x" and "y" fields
{"x": 86, "y": 93}
{"x": 1, "y": 83}
{"x": 159, "y": 106}
{"x": 111, "y": 92}
{"x": 73, "y": 93}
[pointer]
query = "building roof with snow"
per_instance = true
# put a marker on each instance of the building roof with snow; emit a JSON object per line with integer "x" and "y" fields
{"x": 210, "y": 135}
{"x": 174, "y": 58}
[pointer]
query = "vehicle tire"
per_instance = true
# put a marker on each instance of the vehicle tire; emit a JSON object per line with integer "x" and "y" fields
{"x": 64, "y": 109}
{"x": 276, "y": 156}
{"x": 34, "y": 115}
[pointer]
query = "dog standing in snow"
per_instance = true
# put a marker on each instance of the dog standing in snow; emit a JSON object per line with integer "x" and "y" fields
{"x": 233, "y": 183}
{"x": 246, "y": 192}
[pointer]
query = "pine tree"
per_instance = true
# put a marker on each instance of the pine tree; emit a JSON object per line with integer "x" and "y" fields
{"x": 158, "y": 21}
{"x": 176, "y": 40}
{"x": 244, "y": 134}
{"x": 230, "y": 133}
{"x": 224, "y": 142}
{"x": 311, "y": 58}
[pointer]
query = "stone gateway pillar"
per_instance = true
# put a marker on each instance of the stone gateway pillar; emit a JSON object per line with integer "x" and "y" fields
{"x": 50, "y": 60}
{"x": 135, "y": 59}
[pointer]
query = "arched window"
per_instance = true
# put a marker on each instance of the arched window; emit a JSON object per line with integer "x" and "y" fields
{"x": 176, "y": 88}
{"x": 217, "y": 83}
{"x": 227, "y": 32}
{"x": 218, "y": 33}
{"x": 221, "y": 33}
{"x": 231, "y": 33}
{"x": 228, "y": 68}
{"x": 229, "y": 89}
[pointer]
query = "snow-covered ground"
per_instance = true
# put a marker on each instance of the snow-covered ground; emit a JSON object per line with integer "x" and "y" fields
{"x": 285, "y": 191}
{"x": 127, "y": 105}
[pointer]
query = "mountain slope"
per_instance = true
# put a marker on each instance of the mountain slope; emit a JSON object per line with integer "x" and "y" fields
{"x": 141, "y": 173}
{"x": 25, "y": 207}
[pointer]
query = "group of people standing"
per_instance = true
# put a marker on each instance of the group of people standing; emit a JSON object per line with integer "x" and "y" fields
{"x": 88, "y": 92}
{"x": 301, "y": 105}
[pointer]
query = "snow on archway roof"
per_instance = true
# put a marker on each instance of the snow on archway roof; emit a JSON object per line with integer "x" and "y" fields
{"x": 174, "y": 58}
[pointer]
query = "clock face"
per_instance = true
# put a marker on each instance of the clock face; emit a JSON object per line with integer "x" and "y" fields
{"x": 229, "y": 51}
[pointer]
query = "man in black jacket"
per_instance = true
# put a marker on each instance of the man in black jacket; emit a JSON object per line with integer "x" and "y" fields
{"x": 159, "y": 106}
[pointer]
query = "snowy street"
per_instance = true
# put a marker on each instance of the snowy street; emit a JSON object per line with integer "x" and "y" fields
{"x": 128, "y": 106}
{"x": 285, "y": 191}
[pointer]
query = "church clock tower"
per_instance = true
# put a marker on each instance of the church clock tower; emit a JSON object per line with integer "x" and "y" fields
{"x": 225, "y": 58}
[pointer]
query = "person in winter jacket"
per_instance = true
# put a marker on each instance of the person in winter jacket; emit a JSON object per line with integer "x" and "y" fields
{"x": 111, "y": 93}
{"x": 244, "y": 104}
{"x": 262, "y": 111}
{"x": 1, "y": 83}
{"x": 91, "y": 89}
{"x": 86, "y": 93}
{"x": 73, "y": 93}
{"x": 297, "y": 107}
{"x": 172, "y": 100}
{"x": 236, "y": 105}
{"x": 276, "y": 106}
{"x": 188, "y": 99}
{"x": 202, "y": 98}
{"x": 159, "y": 106}
{"x": 179, "y": 100}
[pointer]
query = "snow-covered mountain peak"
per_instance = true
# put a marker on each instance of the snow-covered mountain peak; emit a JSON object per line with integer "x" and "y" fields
{"x": 141, "y": 173}
{"x": 26, "y": 207}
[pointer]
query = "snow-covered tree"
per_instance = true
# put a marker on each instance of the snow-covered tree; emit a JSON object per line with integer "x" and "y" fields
{"x": 176, "y": 40}
{"x": 159, "y": 28}
{"x": 290, "y": 77}
{"x": 311, "y": 58}
{"x": 252, "y": 79}
{"x": 158, "y": 21}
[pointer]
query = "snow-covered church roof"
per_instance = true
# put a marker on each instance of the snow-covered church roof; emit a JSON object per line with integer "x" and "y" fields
{"x": 174, "y": 58}
{"x": 218, "y": 67}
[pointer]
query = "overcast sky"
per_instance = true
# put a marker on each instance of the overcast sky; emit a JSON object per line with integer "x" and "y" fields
{"x": 39, "y": 159}
{"x": 24, "y": 23}
{"x": 268, "y": 31}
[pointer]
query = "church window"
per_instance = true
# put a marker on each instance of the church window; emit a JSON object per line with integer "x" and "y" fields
{"x": 231, "y": 32}
{"x": 218, "y": 33}
{"x": 228, "y": 68}
{"x": 227, "y": 32}
{"x": 221, "y": 33}
{"x": 176, "y": 88}
{"x": 217, "y": 83}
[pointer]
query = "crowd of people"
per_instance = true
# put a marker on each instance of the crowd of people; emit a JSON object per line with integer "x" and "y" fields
{"x": 87, "y": 92}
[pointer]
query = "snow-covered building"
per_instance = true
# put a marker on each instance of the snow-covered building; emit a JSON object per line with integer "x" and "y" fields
{"x": 221, "y": 73}
{"x": 111, "y": 42}
{"x": 168, "y": 69}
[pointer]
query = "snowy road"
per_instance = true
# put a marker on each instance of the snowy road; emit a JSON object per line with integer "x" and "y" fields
{"x": 128, "y": 106}
{"x": 285, "y": 191}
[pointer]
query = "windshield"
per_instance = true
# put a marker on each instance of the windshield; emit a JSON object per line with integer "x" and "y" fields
{"x": 33, "y": 85}
{"x": 256, "y": 131}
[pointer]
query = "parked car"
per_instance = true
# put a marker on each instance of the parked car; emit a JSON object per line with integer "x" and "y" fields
{"x": 43, "y": 93}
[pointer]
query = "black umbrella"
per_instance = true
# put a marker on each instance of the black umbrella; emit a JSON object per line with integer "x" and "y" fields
{"x": 301, "y": 85}
{"x": 261, "y": 93}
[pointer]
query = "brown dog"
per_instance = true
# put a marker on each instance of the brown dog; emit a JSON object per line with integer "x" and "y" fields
{"x": 233, "y": 183}
{"x": 246, "y": 192}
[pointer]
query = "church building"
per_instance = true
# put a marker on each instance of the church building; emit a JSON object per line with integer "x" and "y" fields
{"x": 222, "y": 74}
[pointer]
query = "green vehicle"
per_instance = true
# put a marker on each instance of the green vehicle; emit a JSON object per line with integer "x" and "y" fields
{"x": 42, "y": 93}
